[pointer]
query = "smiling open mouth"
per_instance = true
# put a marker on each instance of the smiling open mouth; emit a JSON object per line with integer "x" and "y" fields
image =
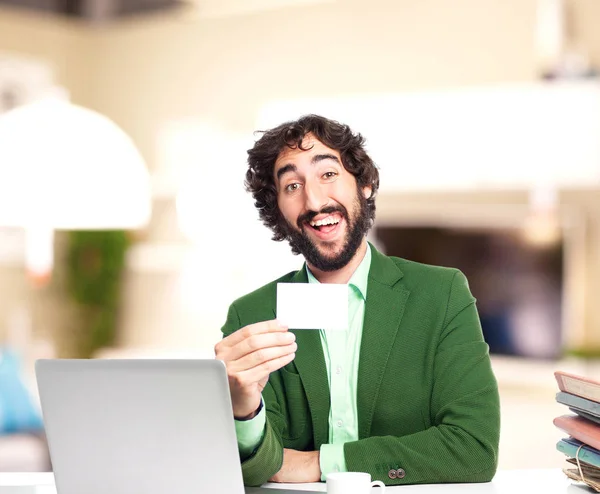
{"x": 325, "y": 225}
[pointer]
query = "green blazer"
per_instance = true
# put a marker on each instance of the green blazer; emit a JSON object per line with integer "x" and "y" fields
{"x": 428, "y": 401}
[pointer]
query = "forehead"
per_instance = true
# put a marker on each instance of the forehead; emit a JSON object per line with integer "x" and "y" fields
{"x": 311, "y": 145}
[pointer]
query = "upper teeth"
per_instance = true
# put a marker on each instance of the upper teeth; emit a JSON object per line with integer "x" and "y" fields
{"x": 325, "y": 221}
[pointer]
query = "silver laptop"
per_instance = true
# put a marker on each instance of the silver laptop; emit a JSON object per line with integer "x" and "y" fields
{"x": 140, "y": 426}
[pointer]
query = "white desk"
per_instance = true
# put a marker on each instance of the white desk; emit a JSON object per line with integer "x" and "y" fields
{"x": 548, "y": 481}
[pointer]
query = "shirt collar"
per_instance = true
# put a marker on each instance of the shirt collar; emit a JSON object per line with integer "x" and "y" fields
{"x": 360, "y": 277}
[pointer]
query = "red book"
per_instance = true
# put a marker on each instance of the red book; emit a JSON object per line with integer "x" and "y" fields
{"x": 578, "y": 385}
{"x": 581, "y": 429}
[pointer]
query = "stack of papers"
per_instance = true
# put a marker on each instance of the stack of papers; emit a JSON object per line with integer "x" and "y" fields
{"x": 582, "y": 448}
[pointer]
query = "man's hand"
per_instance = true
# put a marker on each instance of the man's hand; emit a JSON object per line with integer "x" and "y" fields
{"x": 250, "y": 355}
{"x": 298, "y": 467}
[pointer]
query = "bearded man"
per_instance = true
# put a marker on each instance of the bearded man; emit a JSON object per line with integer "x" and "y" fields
{"x": 407, "y": 393}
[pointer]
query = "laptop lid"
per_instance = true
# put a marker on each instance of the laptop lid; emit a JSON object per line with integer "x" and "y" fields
{"x": 139, "y": 426}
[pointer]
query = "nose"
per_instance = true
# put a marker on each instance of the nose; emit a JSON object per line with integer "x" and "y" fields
{"x": 316, "y": 197}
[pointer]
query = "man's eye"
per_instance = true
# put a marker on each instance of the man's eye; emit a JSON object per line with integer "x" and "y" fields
{"x": 292, "y": 187}
{"x": 329, "y": 174}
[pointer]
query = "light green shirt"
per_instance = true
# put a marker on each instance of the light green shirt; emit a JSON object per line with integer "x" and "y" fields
{"x": 341, "y": 350}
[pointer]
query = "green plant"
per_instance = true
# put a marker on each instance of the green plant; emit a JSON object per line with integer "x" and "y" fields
{"x": 592, "y": 352}
{"x": 95, "y": 264}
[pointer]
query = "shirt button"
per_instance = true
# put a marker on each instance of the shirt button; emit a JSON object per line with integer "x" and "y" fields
{"x": 339, "y": 423}
{"x": 400, "y": 473}
{"x": 338, "y": 369}
{"x": 336, "y": 468}
{"x": 392, "y": 474}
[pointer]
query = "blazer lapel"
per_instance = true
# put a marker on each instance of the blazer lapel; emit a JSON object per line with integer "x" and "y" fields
{"x": 310, "y": 364}
{"x": 383, "y": 312}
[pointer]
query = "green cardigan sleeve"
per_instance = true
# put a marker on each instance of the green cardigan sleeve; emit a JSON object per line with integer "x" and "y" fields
{"x": 462, "y": 444}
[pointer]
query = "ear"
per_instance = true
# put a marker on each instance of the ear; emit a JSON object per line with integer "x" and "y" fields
{"x": 367, "y": 191}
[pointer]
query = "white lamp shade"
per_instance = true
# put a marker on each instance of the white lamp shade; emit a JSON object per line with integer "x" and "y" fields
{"x": 67, "y": 167}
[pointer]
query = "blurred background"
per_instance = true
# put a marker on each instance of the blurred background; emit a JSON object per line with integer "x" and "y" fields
{"x": 125, "y": 230}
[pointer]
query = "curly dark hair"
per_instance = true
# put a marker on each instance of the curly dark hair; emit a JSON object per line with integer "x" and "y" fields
{"x": 260, "y": 179}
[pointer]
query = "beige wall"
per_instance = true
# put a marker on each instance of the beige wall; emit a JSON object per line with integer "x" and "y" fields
{"x": 63, "y": 43}
{"x": 225, "y": 69}
{"x": 585, "y": 21}
{"x": 145, "y": 73}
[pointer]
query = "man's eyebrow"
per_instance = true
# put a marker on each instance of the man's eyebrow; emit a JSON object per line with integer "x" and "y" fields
{"x": 290, "y": 167}
{"x": 285, "y": 169}
{"x": 320, "y": 157}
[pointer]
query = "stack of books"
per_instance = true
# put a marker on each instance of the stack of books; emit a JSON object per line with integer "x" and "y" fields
{"x": 582, "y": 447}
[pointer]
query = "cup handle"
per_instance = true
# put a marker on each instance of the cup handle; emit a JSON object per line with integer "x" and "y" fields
{"x": 378, "y": 483}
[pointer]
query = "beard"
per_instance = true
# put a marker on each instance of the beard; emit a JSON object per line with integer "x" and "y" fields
{"x": 301, "y": 243}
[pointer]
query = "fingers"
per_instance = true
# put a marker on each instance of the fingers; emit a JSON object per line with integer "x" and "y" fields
{"x": 250, "y": 338}
{"x": 262, "y": 327}
{"x": 250, "y": 355}
{"x": 262, "y": 355}
{"x": 255, "y": 374}
{"x": 257, "y": 343}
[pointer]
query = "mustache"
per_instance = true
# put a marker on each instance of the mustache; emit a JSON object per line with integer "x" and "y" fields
{"x": 309, "y": 215}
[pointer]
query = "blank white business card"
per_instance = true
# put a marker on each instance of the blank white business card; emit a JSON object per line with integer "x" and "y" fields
{"x": 313, "y": 305}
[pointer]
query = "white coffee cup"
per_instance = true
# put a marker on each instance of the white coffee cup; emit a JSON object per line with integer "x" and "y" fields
{"x": 351, "y": 483}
